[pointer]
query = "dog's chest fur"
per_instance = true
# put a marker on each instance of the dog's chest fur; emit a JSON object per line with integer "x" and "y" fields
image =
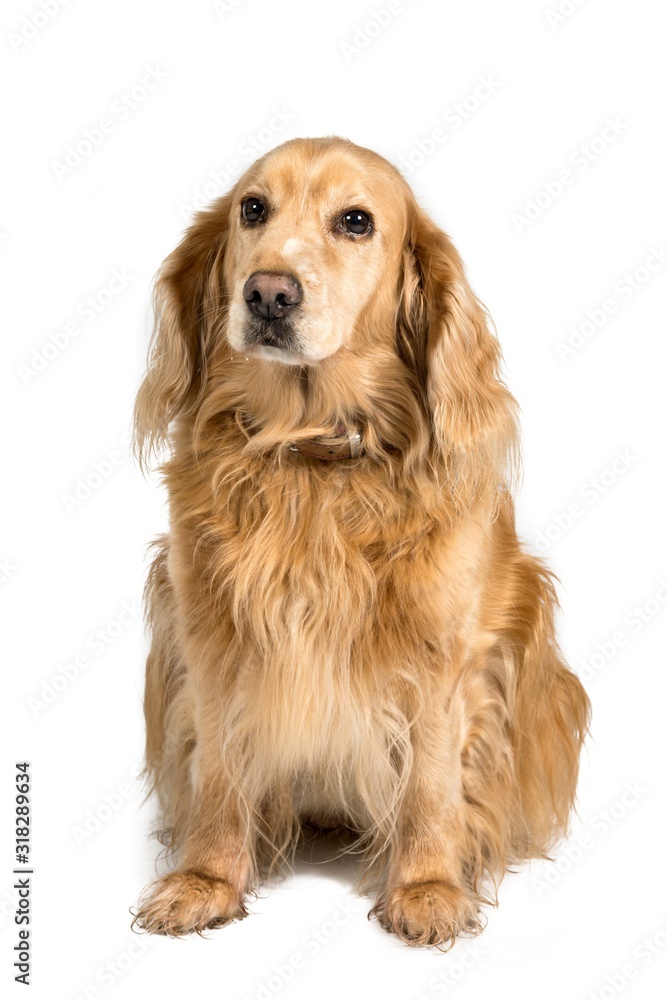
{"x": 325, "y": 594}
{"x": 319, "y": 556}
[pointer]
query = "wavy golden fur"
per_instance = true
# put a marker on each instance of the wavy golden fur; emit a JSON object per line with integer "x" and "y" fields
{"x": 358, "y": 643}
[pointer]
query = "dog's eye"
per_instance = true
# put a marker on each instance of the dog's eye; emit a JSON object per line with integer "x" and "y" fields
{"x": 355, "y": 221}
{"x": 253, "y": 210}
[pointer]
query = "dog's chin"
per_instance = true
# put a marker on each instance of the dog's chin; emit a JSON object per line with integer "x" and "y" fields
{"x": 285, "y": 355}
{"x": 279, "y": 341}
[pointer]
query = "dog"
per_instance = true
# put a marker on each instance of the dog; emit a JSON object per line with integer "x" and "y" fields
{"x": 346, "y": 632}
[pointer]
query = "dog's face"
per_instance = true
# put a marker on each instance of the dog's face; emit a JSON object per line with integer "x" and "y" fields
{"x": 310, "y": 239}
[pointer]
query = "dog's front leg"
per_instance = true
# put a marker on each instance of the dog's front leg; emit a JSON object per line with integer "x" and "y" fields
{"x": 208, "y": 886}
{"x": 427, "y": 900}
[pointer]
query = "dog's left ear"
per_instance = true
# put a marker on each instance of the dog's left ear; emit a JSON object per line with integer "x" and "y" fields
{"x": 443, "y": 333}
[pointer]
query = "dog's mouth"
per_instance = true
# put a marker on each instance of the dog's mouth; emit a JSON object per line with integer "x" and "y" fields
{"x": 277, "y": 333}
{"x": 274, "y": 340}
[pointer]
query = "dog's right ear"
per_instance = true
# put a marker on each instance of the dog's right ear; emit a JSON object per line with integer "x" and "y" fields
{"x": 188, "y": 298}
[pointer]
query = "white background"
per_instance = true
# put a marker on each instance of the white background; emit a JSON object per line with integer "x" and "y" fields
{"x": 574, "y": 929}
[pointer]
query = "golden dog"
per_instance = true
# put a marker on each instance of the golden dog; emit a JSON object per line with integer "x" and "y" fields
{"x": 345, "y": 631}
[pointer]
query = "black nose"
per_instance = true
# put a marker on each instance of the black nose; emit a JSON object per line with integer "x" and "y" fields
{"x": 271, "y": 296}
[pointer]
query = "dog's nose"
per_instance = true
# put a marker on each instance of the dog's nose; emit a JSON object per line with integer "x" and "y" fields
{"x": 271, "y": 296}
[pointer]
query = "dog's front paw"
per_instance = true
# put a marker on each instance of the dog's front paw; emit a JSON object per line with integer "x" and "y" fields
{"x": 186, "y": 901}
{"x": 429, "y": 913}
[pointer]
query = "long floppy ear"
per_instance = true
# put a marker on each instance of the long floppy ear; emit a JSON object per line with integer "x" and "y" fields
{"x": 443, "y": 334}
{"x": 188, "y": 298}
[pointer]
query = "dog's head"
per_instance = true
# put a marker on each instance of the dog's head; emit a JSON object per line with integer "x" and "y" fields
{"x": 320, "y": 261}
{"x": 312, "y": 229}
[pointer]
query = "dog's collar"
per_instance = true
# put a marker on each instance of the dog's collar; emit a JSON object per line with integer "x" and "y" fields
{"x": 345, "y": 443}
